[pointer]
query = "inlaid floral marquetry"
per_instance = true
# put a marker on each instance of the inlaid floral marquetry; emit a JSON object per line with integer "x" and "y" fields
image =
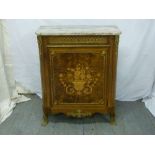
{"x": 79, "y": 80}
{"x": 77, "y": 77}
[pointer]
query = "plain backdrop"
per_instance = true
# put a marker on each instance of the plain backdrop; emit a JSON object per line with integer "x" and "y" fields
{"x": 79, "y": 9}
{"x": 136, "y": 56}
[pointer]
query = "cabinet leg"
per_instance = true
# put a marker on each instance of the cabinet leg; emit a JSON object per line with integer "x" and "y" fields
{"x": 44, "y": 120}
{"x": 112, "y": 118}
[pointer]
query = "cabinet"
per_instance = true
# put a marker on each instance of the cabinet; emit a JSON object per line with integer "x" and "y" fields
{"x": 78, "y": 70}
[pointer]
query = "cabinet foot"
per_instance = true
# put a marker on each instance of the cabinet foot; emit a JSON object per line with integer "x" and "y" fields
{"x": 44, "y": 120}
{"x": 112, "y": 118}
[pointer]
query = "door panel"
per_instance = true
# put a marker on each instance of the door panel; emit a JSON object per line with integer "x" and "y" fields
{"x": 79, "y": 75}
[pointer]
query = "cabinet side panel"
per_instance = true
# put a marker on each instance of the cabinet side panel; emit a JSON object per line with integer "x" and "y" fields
{"x": 113, "y": 68}
{"x": 44, "y": 73}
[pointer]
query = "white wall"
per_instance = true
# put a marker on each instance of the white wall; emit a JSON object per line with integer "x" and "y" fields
{"x": 136, "y": 64}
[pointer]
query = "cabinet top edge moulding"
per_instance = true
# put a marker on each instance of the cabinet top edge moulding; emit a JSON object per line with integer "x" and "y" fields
{"x": 77, "y": 30}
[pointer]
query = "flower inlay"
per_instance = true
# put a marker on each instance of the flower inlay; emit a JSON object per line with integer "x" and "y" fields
{"x": 79, "y": 80}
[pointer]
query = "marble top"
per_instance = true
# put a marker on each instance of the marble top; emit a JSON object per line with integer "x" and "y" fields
{"x": 78, "y": 30}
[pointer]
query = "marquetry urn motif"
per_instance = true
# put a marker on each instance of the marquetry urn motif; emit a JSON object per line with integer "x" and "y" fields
{"x": 78, "y": 70}
{"x": 79, "y": 80}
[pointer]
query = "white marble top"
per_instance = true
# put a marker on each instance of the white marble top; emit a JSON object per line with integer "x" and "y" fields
{"x": 78, "y": 30}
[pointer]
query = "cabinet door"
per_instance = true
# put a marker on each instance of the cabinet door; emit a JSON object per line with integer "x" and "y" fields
{"x": 78, "y": 75}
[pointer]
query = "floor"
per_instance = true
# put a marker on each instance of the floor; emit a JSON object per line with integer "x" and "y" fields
{"x": 131, "y": 118}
